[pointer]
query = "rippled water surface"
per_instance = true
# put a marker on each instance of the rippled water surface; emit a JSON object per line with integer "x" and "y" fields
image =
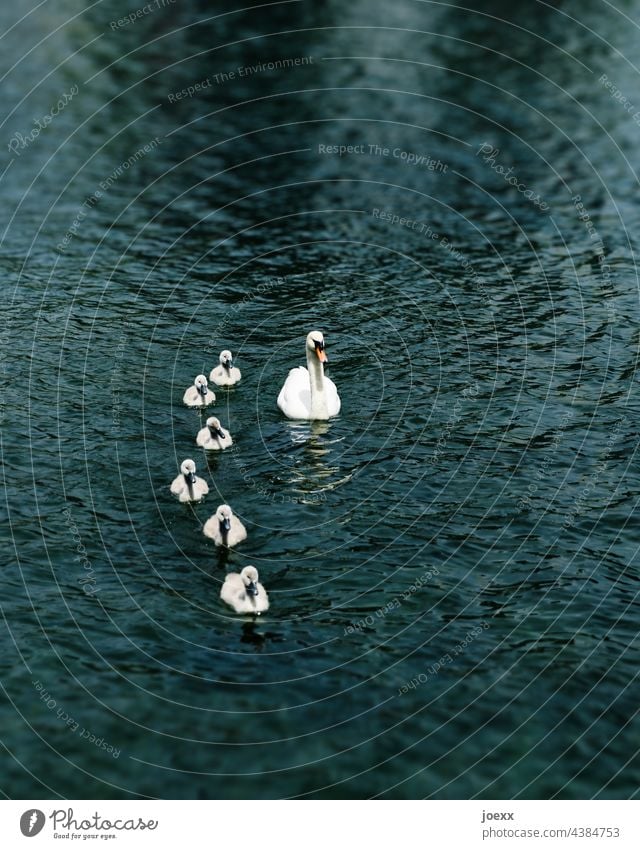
{"x": 452, "y": 562}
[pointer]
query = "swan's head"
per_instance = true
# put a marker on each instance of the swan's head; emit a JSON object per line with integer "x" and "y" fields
{"x": 226, "y": 360}
{"x": 201, "y": 384}
{"x": 249, "y": 577}
{"x": 224, "y": 514}
{"x": 315, "y": 343}
{"x": 215, "y": 428}
{"x": 188, "y": 469}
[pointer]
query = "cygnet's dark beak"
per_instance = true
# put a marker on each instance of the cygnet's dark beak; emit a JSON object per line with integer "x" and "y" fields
{"x": 228, "y": 364}
{"x": 225, "y": 526}
{"x": 202, "y": 389}
{"x": 220, "y": 433}
{"x": 190, "y": 477}
{"x": 252, "y": 589}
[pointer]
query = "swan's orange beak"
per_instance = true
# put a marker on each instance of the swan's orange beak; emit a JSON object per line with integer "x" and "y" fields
{"x": 322, "y": 356}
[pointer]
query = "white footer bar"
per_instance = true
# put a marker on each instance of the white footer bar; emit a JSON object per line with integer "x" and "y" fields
{"x": 321, "y": 824}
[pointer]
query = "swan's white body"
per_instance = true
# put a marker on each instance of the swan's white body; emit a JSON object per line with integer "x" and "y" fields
{"x": 307, "y": 393}
{"x": 244, "y": 592}
{"x": 214, "y": 437}
{"x": 224, "y": 528}
{"x": 188, "y": 486}
{"x": 199, "y": 395}
{"x": 226, "y": 374}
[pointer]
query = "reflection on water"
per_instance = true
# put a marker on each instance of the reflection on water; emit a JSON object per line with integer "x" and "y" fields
{"x": 463, "y": 327}
{"x": 313, "y": 472}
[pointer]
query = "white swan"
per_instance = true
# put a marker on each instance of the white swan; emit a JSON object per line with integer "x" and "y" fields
{"x": 199, "y": 395}
{"x": 309, "y": 394}
{"x": 226, "y": 374}
{"x": 214, "y": 437}
{"x": 224, "y": 527}
{"x": 244, "y": 593}
{"x": 188, "y": 486}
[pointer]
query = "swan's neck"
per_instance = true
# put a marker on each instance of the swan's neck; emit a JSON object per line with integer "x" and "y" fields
{"x": 319, "y": 407}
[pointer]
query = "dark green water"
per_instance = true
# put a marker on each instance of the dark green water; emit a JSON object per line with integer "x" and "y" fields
{"x": 452, "y": 562}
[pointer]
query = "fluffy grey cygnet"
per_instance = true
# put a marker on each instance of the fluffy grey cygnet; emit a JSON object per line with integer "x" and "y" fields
{"x": 214, "y": 437}
{"x": 199, "y": 395}
{"x": 188, "y": 486}
{"x": 226, "y": 374}
{"x": 244, "y": 592}
{"x": 224, "y": 528}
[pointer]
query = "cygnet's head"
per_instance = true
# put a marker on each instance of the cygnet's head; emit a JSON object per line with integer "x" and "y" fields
{"x": 226, "y": 360}
{"x": 315, "y": 342}
{"x": 201, "y": 384}
{"x": 249, "y": 577}
{"x": 188, "y": 469}
{"x": 215, "y": 428}
{"x": 224, "y": 514}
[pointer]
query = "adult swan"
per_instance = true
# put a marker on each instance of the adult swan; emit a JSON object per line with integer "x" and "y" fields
{"x": 309, "y": 394}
